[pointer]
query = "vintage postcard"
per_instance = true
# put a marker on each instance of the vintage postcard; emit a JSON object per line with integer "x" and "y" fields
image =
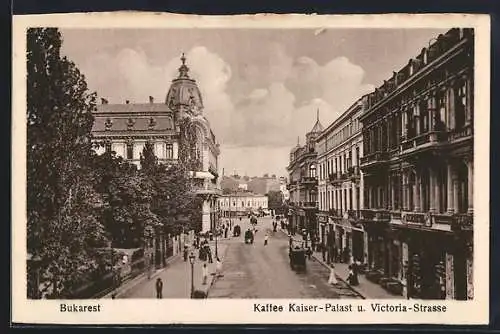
{"x": 288, "y": 169}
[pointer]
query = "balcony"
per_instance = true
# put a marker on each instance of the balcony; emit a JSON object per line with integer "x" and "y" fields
{"x": 378, "y": 215}
{"x": 465, "y": 132}
{"x": 291, "y": 185}
{"x": 308, "y": 205}
{"x": 309, "y": 180}
{"x": 418, "y": 218}
{"x": 206, "y": 188}
{"x": 463, "y": 222}
{"x": 423, "y": 141}
{"x": 375, "y": 157}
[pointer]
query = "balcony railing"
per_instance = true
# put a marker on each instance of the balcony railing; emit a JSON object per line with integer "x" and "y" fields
{"x": 206, "y": 187}
{"x": 413, "y": 217}
{"x": 309, "y": 180}
{"x": 375, "y": 214}
{"x": 427, "y": 139}
{"x": 461, "y": 133}
{"x": 378, "y": 156}
{"x": 308, "y": 204}
{"x": 463, "y": 221}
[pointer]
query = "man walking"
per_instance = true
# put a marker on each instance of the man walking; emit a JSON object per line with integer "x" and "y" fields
{"x": 159, "y": 288}
{"x": 266, "y": 237}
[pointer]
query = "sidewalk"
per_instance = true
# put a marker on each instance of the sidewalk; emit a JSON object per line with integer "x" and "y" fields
{"x": 176, "y": 277}
{"x": 367, "y": 289}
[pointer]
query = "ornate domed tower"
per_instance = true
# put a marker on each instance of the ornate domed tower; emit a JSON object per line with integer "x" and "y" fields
{"x": 184, "y": 97}
{"x": 197, "y": 145}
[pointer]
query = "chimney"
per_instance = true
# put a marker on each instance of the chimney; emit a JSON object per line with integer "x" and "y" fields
{"x": 127, "y": 102}
{"x": 151, "y": 99}
{"x": 104, "y": 101}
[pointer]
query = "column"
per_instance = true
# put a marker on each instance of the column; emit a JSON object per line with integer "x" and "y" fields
{"x": 365, "y": 247}
{"x": 470, "y": 185}
{"x": 437, "y": 192}
{"x": 432, "y": 190}
{"x": 416, "y": 194}
{"x": 404, "y": 204}
{"x": 450, "y": 196}
{"x": 404, "y": 268}
{"x": 393, "y": 195}
{"x": 421, "y": 192}
{"x": 347, "y": 200}
{"x": 456, "y": 199}
{"x": 355, "y": 206}
{"x": 469, "y": 95}
{"x": 470, "y": 278}
{"x": 450, "y": 279}
{"x": 361, "y": 192}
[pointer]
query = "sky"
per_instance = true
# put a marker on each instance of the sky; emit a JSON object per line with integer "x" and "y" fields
{"x": 261, "y": 88}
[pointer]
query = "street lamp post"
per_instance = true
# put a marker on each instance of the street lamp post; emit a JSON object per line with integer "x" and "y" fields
{"x": 191, "y": 260}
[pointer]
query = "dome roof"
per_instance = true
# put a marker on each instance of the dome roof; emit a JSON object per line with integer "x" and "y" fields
{"x": 184, "y": 91}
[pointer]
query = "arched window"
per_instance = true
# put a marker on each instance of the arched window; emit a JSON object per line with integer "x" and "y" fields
{"x": 312, "y": 170}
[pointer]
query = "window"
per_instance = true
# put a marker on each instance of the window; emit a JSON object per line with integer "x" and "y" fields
{"x": 460, "y": 105}
{"x": 130, "y": 150}
{"x": 312, "y": 170}
{"x": 107, "y": 146}
{"x": 169, "y": 151}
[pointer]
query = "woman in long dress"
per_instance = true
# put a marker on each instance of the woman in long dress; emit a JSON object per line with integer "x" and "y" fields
{"x": 332, "y": 280}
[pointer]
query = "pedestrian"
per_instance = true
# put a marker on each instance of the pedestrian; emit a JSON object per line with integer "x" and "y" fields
{"x": 185, "y": 253}
{"x": 225, "y": 232}
{"x": 209, "y": 253}
{"x": 332, "y": 279}
{"x": 218, "y": 268}
{"x": 266, "y": 237}
{"x": 159, "y": 288}
{"x": 204, "y": 273}
{"x": 352, "y": 278}
{"x": 323, "y": 251}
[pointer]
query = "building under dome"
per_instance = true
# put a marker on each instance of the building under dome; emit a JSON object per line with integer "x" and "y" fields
{"x": 126, "y": 127}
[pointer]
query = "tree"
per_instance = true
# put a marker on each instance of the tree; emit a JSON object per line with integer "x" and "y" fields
{"x": 63, "y": 230}
{"x": 275, "y": 200}
{"x": 148, "y": 159}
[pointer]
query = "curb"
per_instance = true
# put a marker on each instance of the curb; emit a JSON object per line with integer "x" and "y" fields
{"x": 340, "y": 278}
{"x": 214, "y": 276}
{"x": 134, "y": 282}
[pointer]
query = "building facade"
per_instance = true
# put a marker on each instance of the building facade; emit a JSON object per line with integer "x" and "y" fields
{"x": 241, "y": 204}
{"x": 418, "y": 172}
{"x": 340, "y": 187}
{"x": 171, "y": 126}
{"x": 303, "y": 185}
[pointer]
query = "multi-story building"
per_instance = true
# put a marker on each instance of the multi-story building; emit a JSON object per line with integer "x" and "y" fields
{"x": 263, "y": 185}
{"x": 418, "y": 172}
{"x": 340, "y": 187}
{"x": 241, "y": 204}
{"x": 125, "y": 129}
{"x": 303, "y": 185}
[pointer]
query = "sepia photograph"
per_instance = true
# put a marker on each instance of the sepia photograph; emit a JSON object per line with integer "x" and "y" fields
{"x": 251, "y": 163}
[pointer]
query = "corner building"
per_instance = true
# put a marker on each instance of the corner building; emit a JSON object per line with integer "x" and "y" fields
{"x": 303, "y": 185}
{"x": 125, "y": 129}
{"x": 418, "y": 173}
{"x": 340, "y": 186}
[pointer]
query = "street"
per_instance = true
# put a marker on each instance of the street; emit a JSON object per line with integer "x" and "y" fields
{"x": 258, "y": 271}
